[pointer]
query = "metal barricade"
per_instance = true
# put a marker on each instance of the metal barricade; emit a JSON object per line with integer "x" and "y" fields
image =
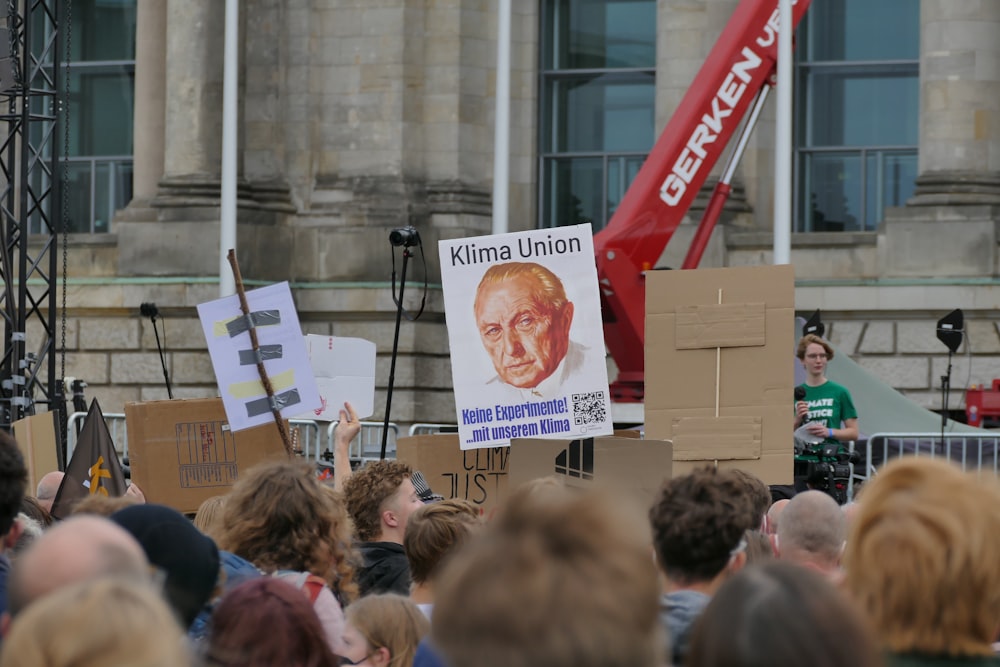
{"x": 367, "y": 446}
{"x": 429, "y": 429}
{"x": 972, "y": 451}
{"x": 116, "y": 426}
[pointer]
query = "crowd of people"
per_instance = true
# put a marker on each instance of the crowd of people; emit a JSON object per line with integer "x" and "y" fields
{"x": 374, "y": 569}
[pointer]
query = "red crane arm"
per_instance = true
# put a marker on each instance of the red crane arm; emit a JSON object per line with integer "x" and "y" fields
{"x": 739, "y": 65}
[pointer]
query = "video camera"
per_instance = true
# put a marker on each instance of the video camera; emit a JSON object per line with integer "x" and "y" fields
{"x": 826, "y": 467}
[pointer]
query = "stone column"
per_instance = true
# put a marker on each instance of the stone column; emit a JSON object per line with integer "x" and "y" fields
{"x": 960, "y": 104}
{"x": 150, "y": 98}
{"x": 194, "y": 80}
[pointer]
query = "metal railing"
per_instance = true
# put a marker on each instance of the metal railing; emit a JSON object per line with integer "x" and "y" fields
{"x": 429, "y": 429}
{"x": 972, "y": 451}
{"x": 367, "y": 445}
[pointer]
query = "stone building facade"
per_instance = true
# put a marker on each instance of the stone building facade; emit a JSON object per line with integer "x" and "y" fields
{"x": 360, "y": 116}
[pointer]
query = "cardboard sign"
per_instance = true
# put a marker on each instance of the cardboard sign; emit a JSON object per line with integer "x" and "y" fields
{"x": 36, "y": 437}
{"x": 280, "y": 347}
{"x": 634, "y": 467}
{"x": 719, "y": 371}
{"x": 345, "y": 371}
{"x": 183, "y": 452}
{"x": 527, "y": 341}
{"x": 478, "y": 475}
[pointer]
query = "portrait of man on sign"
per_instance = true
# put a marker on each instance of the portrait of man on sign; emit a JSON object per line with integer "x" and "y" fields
{"x": 524, "y": 318}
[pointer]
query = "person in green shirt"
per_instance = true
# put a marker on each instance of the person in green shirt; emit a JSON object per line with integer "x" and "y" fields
{"x": 827, "y": 407}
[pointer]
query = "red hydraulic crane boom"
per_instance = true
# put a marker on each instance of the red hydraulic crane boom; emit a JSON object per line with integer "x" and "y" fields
{"x": 740, "y": 68}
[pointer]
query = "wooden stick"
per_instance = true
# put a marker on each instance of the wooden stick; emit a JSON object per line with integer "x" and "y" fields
{"x": 245, "y": 307}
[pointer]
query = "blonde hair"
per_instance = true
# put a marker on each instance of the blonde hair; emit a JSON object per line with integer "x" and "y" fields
{"x": 390, "y": 621}
{"x": 107, "y": 621}
{"x": 209, "y": 517}
{"x": 921, "y": 558}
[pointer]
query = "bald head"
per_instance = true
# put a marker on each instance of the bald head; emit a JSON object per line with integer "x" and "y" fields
{"x": 811, "y": 530}
{"x": 773, "y": 514}
{"x": 48, "y": 486}
{"x": 77, "y": 549}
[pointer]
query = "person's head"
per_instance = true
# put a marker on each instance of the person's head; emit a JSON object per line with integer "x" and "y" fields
{"x": 13, "y": 478}
{"x": 102, "y": 505}
{"x": 263, "y": 622}
{"x": 434, "y": 531}
{"x": 77, "y": 549}
{"x": 926, "y": 539}
{"x": 279, "y": 516}
{"x": 383, "y": 630}
{"x": 30, "y": 530}
{"x": 812, "y": 531}
{"x": 774, "y": 515}
{"x": 758, "y": 497}
{"x": 775, "y": 613}
{"x": 107, "y": 621}
{"x": 209, "y": 517}
{"x": 698, "y": 521}
{"x": 33, "y": 509}
{"x": 562, "y": 579}
{"x": 814, "y": 353}
{"x": 523, "y": 318}
{"x": 172, "y": 544}
{"x": 48, "y": 486}
{"x": 380, "y": 499}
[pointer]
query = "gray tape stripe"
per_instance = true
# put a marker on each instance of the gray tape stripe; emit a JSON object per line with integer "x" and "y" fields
{"x": 258, "y": 318}
{"x": 259, "y": 406}
{"x": 251, "y": 357}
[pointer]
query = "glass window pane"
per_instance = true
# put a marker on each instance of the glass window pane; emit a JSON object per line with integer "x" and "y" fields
{"x": 833, "y": 192}
{"x": 852, "y": 108}
{"x": 621, "y": 172}
{"x": 599, "y": 113}
{"x": 890, "y": 179}
{"x": 600, "y": 34}
{"x": 574, "y": 192}
{"x": 101, "y": 110}
{"x": 863, "y": 30}
{"x": 78, "y": 197}
{"x": 103, "y": 30}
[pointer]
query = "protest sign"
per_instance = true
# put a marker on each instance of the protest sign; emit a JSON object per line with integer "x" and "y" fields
{"x": 526, "y": 336}
{"x": 345, "y": 371}
{"x": 280, "y": 346}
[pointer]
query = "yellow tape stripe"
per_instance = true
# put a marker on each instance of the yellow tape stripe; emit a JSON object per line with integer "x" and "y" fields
{"x": 254, "y": 388}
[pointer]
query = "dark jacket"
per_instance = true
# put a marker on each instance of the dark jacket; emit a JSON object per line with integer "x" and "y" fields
{"x": 385, "y": 568}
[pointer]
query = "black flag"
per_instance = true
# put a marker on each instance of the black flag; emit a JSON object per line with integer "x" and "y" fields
{"x": 94, "y": 467}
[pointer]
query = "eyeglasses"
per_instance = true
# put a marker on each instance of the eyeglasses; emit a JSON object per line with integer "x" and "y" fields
{"x": 347, "y": 661}
{"x": 816, "y": 356}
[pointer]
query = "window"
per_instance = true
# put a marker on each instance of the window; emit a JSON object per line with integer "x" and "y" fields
{"x": 597, "y": 105}
{"x": 101, "y": 91}
{"x": 857, "y": 104}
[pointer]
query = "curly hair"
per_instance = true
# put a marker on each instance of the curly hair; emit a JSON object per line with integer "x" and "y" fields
{"x": 13, "y": 479}
{"x": 367, "y": 490}
{"x": 697, "y": 520}
{"x": 280, "y": 517}
{"x": 758, "y": 495}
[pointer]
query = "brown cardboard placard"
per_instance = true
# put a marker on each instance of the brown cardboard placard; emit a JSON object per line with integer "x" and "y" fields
{"x": 183, "y": 452}
{"x": 632, "y": 466}
{"x": 478, "y": 475}
{"x": 743, "y": 379}
{"x": 720, "y": 325}
{"x": 716, "y": 438}
{"x": 39, "y": 444}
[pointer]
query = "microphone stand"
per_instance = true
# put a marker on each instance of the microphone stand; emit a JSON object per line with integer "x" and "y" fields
{"x": 151, "y": 310}
{"x": 945, "y": 390}
{"x": 395, "y": 349}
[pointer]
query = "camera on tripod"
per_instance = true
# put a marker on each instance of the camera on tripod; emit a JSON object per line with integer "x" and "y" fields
{"x": 404, "y": 236}
{"x": 826, "y": 467}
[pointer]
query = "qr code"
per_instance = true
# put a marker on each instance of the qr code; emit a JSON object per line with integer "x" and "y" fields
{"x": 589, "y": 408}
